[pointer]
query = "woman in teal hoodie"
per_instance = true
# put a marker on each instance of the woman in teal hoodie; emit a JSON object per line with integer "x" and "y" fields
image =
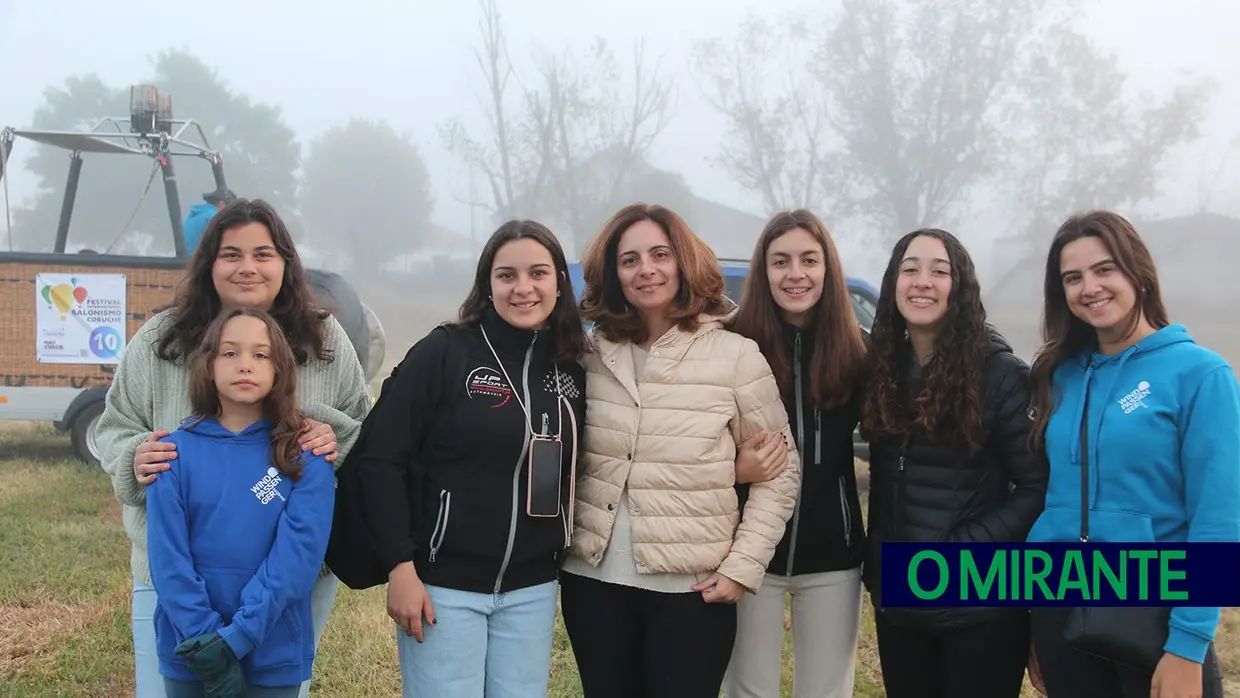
{"x": 1162, "y": 428}
{"x": 239, "y": 524}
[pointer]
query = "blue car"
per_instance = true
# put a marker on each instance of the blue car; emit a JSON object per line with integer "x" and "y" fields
{"x": 864, "y": 301}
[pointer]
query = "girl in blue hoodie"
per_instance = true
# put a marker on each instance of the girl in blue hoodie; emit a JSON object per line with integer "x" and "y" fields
{"x": 238, "y": 526}
{"x": 1162, "y": 426}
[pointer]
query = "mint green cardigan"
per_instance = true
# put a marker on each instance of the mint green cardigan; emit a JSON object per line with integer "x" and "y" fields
{"x": 149, "y": 393}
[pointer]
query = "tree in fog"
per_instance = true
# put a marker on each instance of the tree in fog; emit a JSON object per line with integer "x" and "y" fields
{"x": 562, "y": 144}
{"x": 1085, "y": 143}
{"x": 776, "y": 142}
{"x": 260, "y": 151}
{"x": 929, "y": 104}
{"x": 365, "y": 194}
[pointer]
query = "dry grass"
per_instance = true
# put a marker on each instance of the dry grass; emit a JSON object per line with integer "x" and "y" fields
{"x": 64, "y": 595}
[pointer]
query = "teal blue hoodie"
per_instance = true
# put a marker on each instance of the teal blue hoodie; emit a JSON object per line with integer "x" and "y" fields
{"x": 1164, "y": 456}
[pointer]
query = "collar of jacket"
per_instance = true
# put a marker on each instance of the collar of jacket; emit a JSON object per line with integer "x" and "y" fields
{"x": 674, "y": 343}
{"x": 512, "y": 341}
{"x": 789, "y": 332}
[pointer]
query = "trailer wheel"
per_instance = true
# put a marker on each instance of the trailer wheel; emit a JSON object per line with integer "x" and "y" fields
{"x": 82, "y": 433}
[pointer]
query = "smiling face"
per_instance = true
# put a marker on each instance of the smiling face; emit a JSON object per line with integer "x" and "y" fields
{"x": 646, "y": 266}
{"x": 924, "y": 283}
{"x": 524, "y": 283}
{"x": 248, "y": 271}
{"x": 1097, "y": 291}
{"x": 796, "y": 270}
{"x": 243, "y": 369}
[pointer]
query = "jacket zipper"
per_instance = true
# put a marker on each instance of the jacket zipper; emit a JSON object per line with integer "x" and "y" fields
{"x": 845, "y": 510}
{"x": 441, "y": 523}
{"x": 796, "y": 512}
{"x": 900, "y": 487}
{"x": 516, "y": 473}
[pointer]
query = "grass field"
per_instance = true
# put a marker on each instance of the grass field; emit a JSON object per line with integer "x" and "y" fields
{"x": 64, "y": 595}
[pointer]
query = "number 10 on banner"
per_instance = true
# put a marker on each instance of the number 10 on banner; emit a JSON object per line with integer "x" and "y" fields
{"x": 105, "y": 342}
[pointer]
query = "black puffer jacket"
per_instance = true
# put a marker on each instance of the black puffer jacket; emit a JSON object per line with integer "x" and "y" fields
{"x": 922, "y": 492}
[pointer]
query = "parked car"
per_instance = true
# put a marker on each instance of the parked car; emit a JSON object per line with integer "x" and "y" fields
{"x": 864, "y": 302}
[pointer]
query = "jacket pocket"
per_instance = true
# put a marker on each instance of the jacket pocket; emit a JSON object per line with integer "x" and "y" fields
{"x": 284, "y": 643}
{"x": 441, "y": 523}
{"x": 845, "y": 513}
{"x": 1063, "y": 524}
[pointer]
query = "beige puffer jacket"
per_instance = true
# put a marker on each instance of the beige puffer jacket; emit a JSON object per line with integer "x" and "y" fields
{"x": 674, "y": 441}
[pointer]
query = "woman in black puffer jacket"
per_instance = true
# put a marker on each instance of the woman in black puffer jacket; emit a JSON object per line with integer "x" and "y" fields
{"x": 946, "y": 415}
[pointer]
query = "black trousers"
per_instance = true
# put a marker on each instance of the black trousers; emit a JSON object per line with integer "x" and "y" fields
{"x": 632, "y": 643}
{"x": 1071, "y": 674}
{"x": 982, "y": 661}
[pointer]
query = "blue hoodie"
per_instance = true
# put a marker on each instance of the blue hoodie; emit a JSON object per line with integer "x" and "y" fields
{"x": 235, "y": 547}
{"x": 1164, "y": 456}
{"x": 200, "y": 215}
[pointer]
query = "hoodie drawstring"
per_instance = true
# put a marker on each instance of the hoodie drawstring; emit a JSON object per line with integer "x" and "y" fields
{"x": 1105, "y": 395}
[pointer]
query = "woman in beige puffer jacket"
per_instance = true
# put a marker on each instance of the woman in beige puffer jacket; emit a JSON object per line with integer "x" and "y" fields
{"x": 661, "y": 551}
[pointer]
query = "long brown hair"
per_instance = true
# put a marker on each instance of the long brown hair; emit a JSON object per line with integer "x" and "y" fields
{"x": 1064, "y": 335}
{"x": 838, "y": 354}
{"x": 701, "y": 280}
{"x": 198, "y": 303}
{"x": 279, "y": 406}
{"x": 949, "y": 408}
{"x": 567, "y": 335}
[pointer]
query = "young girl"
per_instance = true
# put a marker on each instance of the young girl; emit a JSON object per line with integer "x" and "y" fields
{"x": 238, "y": 525}
{"x": 1154, "y": 420}
{"x": 797, "y": 308}
{"x": 946, "y": 415}
{"x": 459, "y": 492}
{"x": 246, "y": 259}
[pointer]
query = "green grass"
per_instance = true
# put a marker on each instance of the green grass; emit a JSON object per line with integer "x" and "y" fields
{"x": 64, "y": 595}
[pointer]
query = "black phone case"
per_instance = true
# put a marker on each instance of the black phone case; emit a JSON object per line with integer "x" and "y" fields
{"x": 543, "y": 491}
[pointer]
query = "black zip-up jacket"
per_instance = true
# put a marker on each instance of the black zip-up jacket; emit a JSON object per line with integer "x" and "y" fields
{"x": 825, "y": 533}
{"x": 440, "y": 471}
{"x": 923, "y": 492}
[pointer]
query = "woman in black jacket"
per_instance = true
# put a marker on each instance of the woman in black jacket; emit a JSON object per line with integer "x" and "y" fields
{"x": 946, "y": 415}
{"x": 797, "y": 308}
{"x": 458, "y": 493}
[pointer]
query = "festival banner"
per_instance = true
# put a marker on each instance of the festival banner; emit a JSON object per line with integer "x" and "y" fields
{"x": 1061, "y": 574}
{"x": 79, "y": 318}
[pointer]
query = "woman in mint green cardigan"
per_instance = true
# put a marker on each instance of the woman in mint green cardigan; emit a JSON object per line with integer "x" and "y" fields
{"x": 246, "y": 259}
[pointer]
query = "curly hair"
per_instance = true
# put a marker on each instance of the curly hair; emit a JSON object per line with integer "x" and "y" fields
{"x": 948, "y": 409}
{"x": 602, "y": 299}
{"x": 1064, "y": 335}
{"x": 198, "y": 302}
{"x": 839, "y": 349}
{"x": 279, "y": 405}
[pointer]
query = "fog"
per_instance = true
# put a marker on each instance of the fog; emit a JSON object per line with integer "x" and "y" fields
{"x": 904, "y": 114}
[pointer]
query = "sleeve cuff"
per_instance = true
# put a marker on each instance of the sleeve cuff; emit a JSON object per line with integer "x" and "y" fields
{"x": 237, "y": 640}
{"x": 1186, "y": 644}
{"x": 404, "y": 552}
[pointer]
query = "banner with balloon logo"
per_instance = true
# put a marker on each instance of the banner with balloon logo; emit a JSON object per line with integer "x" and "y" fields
{"x": 80, "y": 318}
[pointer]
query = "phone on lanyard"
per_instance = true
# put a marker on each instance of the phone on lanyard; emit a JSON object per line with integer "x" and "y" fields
{"x": 542, "y": 496}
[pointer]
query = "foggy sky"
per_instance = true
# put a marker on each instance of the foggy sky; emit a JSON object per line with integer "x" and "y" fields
{"x": 410, "y": 63}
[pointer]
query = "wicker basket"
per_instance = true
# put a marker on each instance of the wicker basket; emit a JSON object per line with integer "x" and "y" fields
{"x": 147, "y": 291}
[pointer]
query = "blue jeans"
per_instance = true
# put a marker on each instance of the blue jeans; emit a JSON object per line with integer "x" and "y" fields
{"x": 148, "y": 681}
{"x": 492, "y": 645}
